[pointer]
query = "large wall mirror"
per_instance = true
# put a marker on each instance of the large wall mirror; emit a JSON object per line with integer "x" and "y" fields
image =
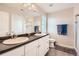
{"x": 4, "y": 23}
{"x": 16, "y": 23}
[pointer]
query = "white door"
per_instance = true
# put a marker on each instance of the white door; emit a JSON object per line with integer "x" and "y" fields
{"x": 31, "y": 49}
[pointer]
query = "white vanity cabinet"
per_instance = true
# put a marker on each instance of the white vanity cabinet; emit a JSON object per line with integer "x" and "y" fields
{"x": 31, "y": 49}
{"x": 43, "y": 45}
{"x": 37, "y": 48}
{"x": 15, "y": 52}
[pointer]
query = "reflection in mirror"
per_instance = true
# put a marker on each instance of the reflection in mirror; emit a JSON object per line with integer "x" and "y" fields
{"x": 4, "y": 23}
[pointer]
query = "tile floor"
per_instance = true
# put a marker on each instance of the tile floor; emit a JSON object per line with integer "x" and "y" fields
{"x": 61, "y": 51}
{"x": 54, "y": 52}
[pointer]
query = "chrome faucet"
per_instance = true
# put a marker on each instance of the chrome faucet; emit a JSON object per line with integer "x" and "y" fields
{"x": 13, "y": 35}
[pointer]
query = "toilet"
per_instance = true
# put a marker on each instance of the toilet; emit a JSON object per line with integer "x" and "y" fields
{"x": 51, "y": 43}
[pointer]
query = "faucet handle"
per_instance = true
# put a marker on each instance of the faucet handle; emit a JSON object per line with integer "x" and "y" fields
{"x": 15, "y": 35}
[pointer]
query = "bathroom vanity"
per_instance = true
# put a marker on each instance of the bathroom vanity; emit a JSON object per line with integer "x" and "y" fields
{"x": 37, "y": 45}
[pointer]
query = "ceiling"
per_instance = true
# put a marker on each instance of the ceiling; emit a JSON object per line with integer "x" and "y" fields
{"x": 44, "y": 6}
{"x": 18, "y": 7}
{"x": 55, "y": 6}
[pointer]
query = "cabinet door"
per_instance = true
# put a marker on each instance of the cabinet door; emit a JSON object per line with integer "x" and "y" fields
{"x": 46, "y": 42}
{"x": 43, "y": 46}
{"x": 16, "y": 52}
{"x": 31, "y": 49}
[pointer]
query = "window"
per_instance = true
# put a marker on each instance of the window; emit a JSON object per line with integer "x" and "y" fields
{"x": 43, "y": 24}
{"x": 52, "y": 25}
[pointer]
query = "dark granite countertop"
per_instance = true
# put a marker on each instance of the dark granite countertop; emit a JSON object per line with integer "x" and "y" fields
{"x": 5, "y": 48}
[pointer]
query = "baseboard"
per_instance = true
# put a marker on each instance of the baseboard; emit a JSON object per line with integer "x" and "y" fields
{"x": 65, "y": 46}
{"x": 77, "y": 51}
{"x": 67, "y": 49}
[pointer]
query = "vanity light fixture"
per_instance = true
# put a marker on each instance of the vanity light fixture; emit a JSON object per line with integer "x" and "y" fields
{"x": 30, "y": 6}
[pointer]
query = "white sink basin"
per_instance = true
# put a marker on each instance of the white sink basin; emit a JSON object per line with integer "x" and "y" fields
{"x": 16, "y": 40}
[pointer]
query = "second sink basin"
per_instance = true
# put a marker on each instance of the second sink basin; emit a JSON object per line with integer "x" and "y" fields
{"x": 40, "y": 34}
{"x": 15, "y": 40}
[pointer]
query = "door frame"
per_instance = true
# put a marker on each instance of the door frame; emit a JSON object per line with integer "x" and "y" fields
{"x": 76, "y": 29}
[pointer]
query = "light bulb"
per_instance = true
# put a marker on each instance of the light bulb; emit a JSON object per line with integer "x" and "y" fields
{"x": 30, "y": 8}
{"x": 33, "y": 6}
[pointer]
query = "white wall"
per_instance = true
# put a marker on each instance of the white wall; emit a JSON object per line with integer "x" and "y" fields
{"x": 62, "y": 17}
